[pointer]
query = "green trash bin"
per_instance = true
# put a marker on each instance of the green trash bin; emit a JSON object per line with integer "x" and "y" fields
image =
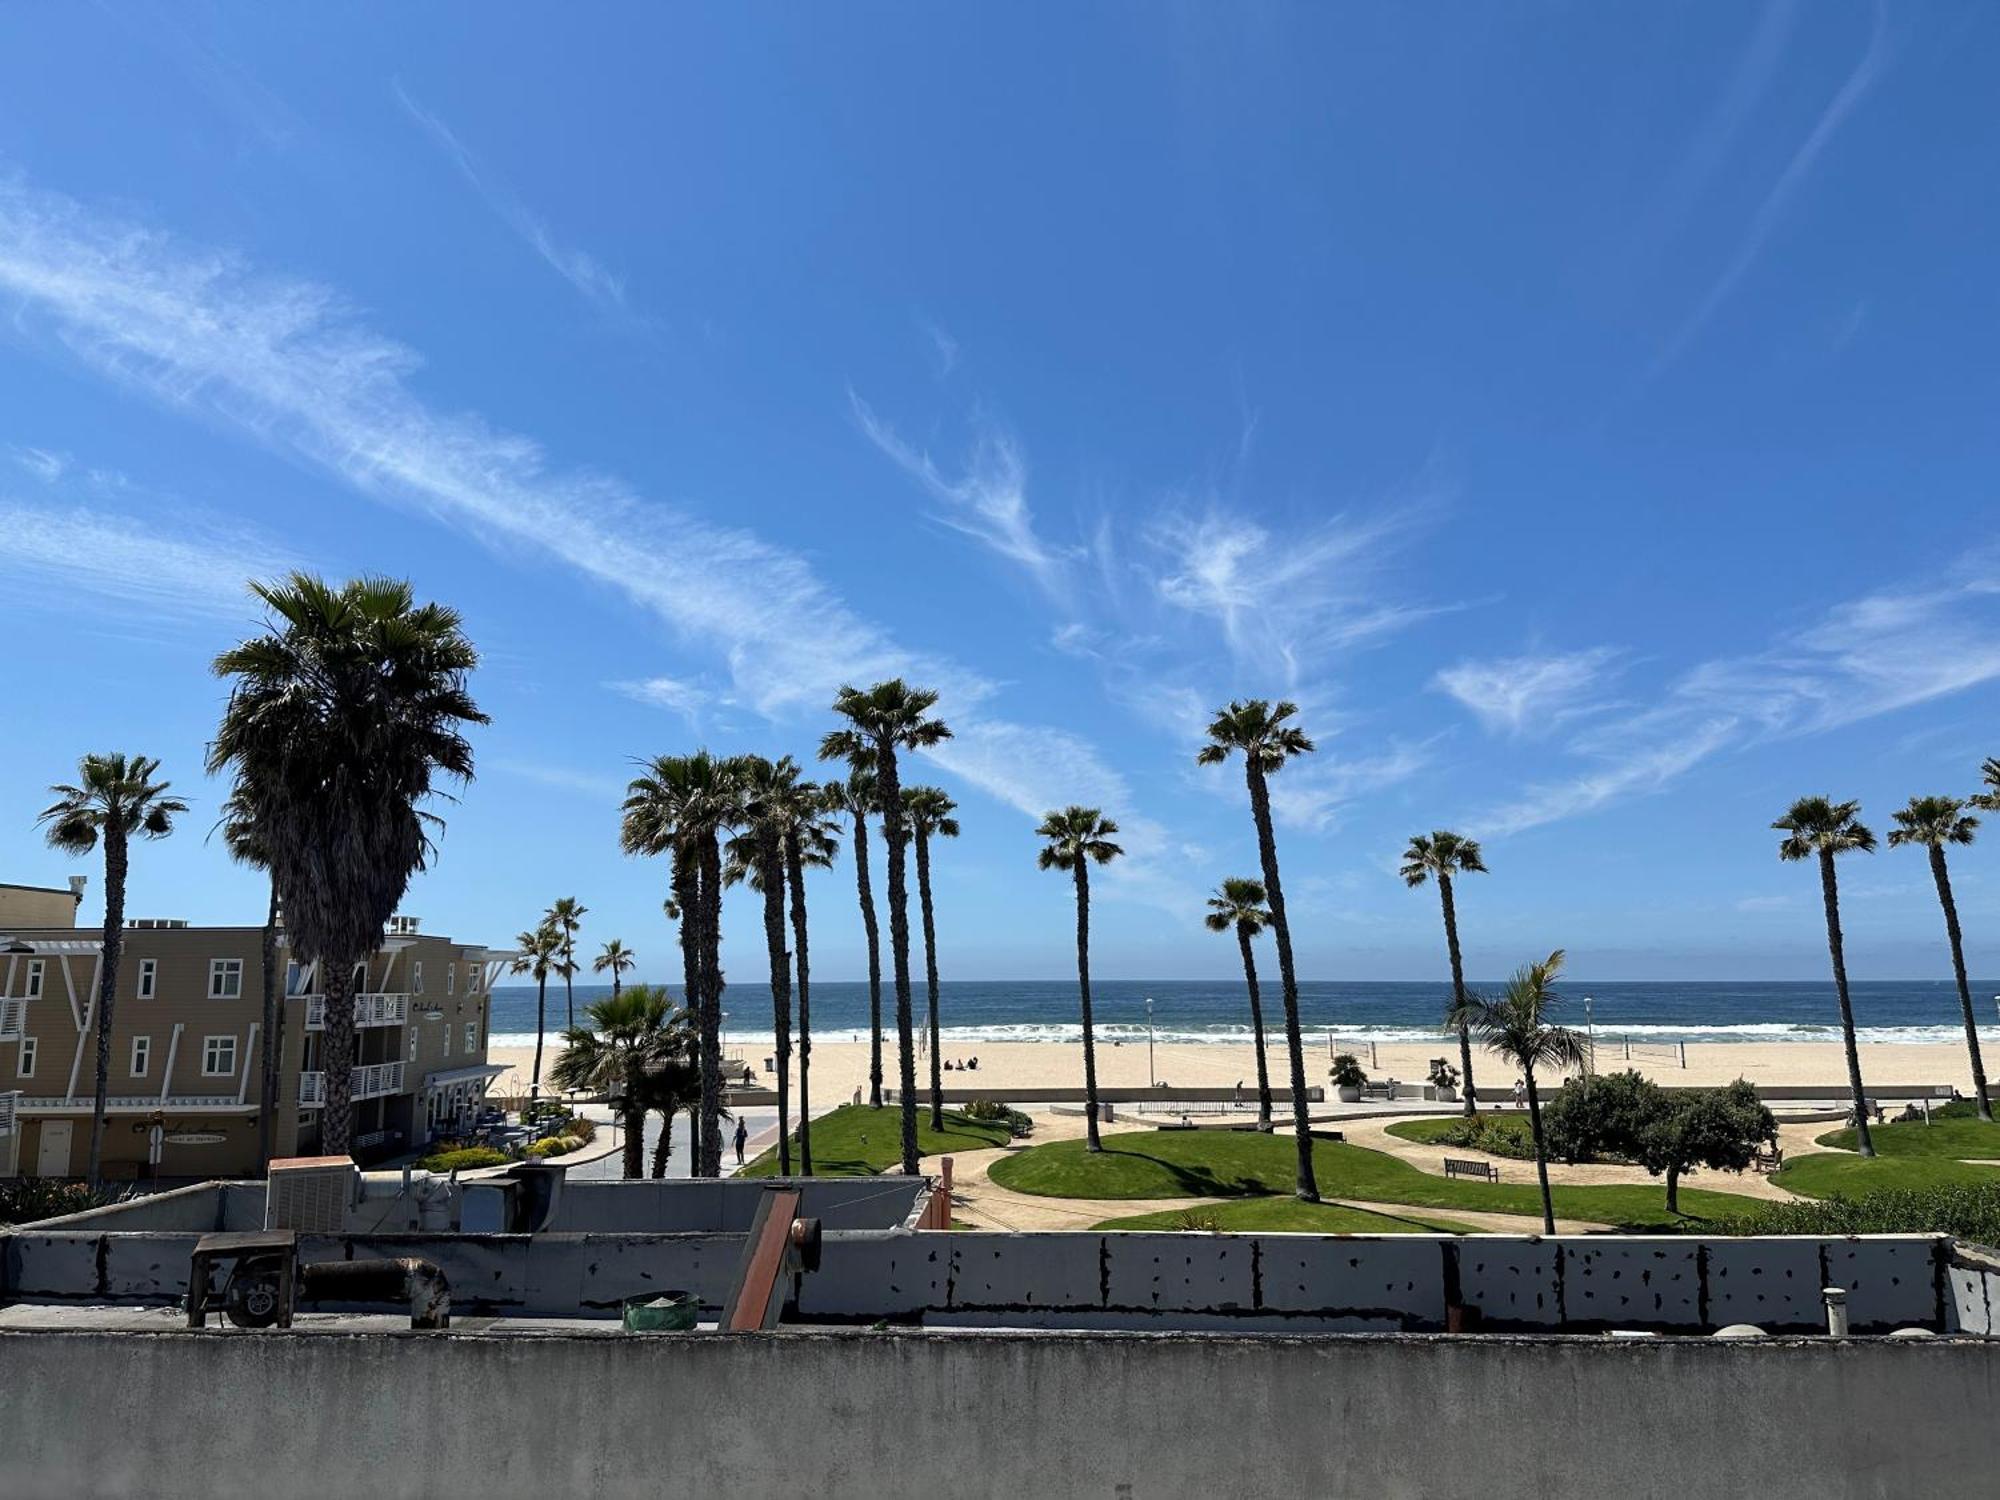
{"x": 662, "y": 1312}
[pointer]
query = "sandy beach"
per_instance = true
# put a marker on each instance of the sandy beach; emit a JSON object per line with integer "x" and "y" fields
{"x": 840, "y": 1065}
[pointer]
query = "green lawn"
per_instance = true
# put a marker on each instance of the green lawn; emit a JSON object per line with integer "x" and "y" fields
{"x": 1823, "y": 1174}
{"x": 1958, "y": 1136}
{"x": 856, "y": 1141}
{"x": 1288, "y": 1215}
{"x": 1242, "y": 1164}
{"x": 1508, "y": 1135}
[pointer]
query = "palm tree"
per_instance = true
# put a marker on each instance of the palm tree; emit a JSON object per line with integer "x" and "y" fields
{"x": 1238, "y": 905}
{"x": 566, "y": 916}
{"x": 856, "y": 797}
{"x": 1935, "y": 822}
{"x": 678, "y": 805}
{"x": 888, "y": 717}
{"x": 1820, "y": 827}
{"x": 1079, "y": 837}
{"x": 757, "y": 856}
{"x": 538, "y": 954}
{"x": 809, "y": 843}
{"x": 616, "y": 959}
{"x": 626, "y": 1036}
{"x": 929, "y": 812}
{"x": 239, "y": 834}
{"x": 340, "y": 722}
{"x": 115, "y": 799}
{"x": 668, "y": 1089}
{"x": 1259, "y": 732}
{"x": 1516, "y": 1026}
{"x": 1989, "y": 772}
{"x": 1443, "y": 854}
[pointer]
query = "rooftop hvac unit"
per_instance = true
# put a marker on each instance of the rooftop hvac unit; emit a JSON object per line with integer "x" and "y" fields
{"x": 402, "y": 926}
{"x": 309, "y": 1194}
{"x": 157, "y": 924}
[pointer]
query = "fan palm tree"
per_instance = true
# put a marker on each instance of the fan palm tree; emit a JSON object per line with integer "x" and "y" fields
{"x": 670, "y": 1088}
{"x": 566, "y": 915}
{"x": 1516, "y": 1026}
{"x": 538, "y": 954}
{"x": 1079, "y": 837}
{"x": 1238, "y": 906}
{"x": 341, "y": 722}
{"x": 239, "y": 834}
{"x": 856, "y": 797}
{"x": 756, "y": 856}
{"x": 1818, "y": 827}
{"x": 1989, "y": 773}
{"x": 809, "y": 844}
{"x": 1934, "y": 822}
{"x": 929, "y": 812}
{"x": 1441, "y": 855}
{"x": 627, "y": 1035}
{"x": 114, "y": 799}
{"x": 679, "y": 805}
{"x": 886, "y": 718}
{"x": 1259, "y": 732}
{"x": 616, "y": 959}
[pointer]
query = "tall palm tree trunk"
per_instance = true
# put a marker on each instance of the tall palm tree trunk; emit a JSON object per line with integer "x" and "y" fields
{"x": 634, "y": 1115}
{"x": 1541, "y": 1150}
{"x": 569, "y": 989}
{"x": 1091, "y": 1141}
{"x": 663, "y": 1148}
{"x": 274, "y": 1039}
{"x": 1458, "y": 990}
{"x": 1257, "y": 1028}
{"x": 874, "y": 935}
{"x": 711, "y": 1005}
{"x": 897, "y": 835}
{"x": 116, "y": 856}
{"x": 687, "y": 900}
{"x": 541, "y": 1026}
{"x": 336, "y": 1047}
{"x": 1307, "y": 1190}
{"x": 1829, "y": 887}
{"x": 772, "y": 864}
{"x": 1943, "y": 878}
{"x": 931, "y": 978}
{"x": 795, "y": 876}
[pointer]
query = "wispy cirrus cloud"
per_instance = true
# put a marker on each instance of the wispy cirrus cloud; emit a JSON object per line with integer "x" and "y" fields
{"x": 1523, "y": 695}
{"x": 1313, "y": 793}
{"x": 578, "y": 267}
{"x": 127, "y": 565}
{"x": 1862, "y": 658}
{"x": 664, "y": 692}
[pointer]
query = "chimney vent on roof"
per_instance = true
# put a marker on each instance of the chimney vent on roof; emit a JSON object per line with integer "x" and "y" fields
{"x": 76, "y": 885}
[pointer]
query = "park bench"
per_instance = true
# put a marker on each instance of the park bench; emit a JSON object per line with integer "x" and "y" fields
{"x": 1769, "y": 1160}
{"x": 1459, "y": 1166}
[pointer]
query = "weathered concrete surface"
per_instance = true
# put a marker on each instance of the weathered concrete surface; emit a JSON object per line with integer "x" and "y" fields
{"x": 275, "y": 1416}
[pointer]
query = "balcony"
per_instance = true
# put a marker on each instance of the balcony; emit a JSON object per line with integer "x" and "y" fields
{"x": 7, "y": 1113}
{"x": 372, "y": 1009}
{"x": 13, "y": 1019}
{"x": 371, "y": 1081}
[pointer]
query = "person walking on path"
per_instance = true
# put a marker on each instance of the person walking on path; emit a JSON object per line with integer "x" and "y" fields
{"x": 742, "y": 1139}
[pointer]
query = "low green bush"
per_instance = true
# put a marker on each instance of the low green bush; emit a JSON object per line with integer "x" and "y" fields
{"x": 1963, "y": 1210}
{"x": 463, "y": 1159}
{"x": 1497, "y": 1135}
{"x": 554, "y": 1145}
{"x": 25, "y": 1199}
{"x": 1018, "y": 1125}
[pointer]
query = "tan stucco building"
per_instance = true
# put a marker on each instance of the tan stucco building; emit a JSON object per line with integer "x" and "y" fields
{"x": 187, "y": 1044}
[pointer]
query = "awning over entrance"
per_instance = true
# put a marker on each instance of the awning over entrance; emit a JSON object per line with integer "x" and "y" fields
{"x": 449, "y": 1076}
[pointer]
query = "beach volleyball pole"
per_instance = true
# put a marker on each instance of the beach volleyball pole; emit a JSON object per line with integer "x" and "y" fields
{"x": 1149, "y": 1042}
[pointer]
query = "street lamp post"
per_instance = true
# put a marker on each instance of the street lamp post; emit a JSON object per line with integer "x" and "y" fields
{"x": 1590, "y": 1028}
{"x": 1149, "y": 1042}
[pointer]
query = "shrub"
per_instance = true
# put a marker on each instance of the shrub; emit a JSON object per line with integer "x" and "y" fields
{"x": 463, "y": 1159}
{"x": 1199, "y": 1220}
{"x": 1346, "y": 1072}
{"x": 1497, "y": 1135}
{"x": 554, "y": 1145}
{"x": 1967, "y": 1211}
{"x": 25, "y": 1199}
{"x": 1019, "y": 1126}
{"x": 581, "y": 1129}
{"x": 1601, "y": 1118}
{"x": 1443, "y": 1075}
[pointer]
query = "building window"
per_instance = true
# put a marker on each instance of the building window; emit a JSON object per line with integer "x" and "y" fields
{"x": 297, "y": 976}
{"x": 472, "y": 979}
{"x": 447, "y": 1039}
{"x": 451, "y": 979}
{"x": 471, "y": 1037}
{"x": 149, "y": 977}
{"x": 34, "y": 978}
{"x": 225, "y": 978}
{"x": 142, "y": 1055}
{"x": 25, "y": 1066}
{"x": 413, "y": 1043}
{"x": 417, "y": 976}
{"x": 218, "y": 1056}
{"x": 360, "y": 981}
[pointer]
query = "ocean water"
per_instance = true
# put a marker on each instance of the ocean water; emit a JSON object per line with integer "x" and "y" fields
{"x": 1214, "y": 1010}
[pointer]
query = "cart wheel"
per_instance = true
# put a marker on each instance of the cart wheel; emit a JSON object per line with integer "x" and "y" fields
{"x": 251, "y": 1298}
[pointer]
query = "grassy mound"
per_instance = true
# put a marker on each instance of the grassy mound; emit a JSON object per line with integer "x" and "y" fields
{"x": 1956, "y": 1132}
{"x": 1245, "y": 1164}
{"x": 1830, "y": 1174}
{"x": 1289, "y": 1216}
{"x": 857, "y": 1141}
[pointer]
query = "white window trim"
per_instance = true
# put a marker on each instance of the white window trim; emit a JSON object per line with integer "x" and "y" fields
{"x": 149, "y": 978}
{"x": 471, "y": 1037}
{"x": 416, "y": 976}
{"x": 219, "y": 969}
{"x": 210, "y": 1046}
{"x": 24, "y": 1065}
{"x": 451, "y": 979}
{"x": 36, "y": 970}
{"x": 140, "y": 1061}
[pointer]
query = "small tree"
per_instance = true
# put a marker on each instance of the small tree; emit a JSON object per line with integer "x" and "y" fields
{"x": 1592, "y": 1118}
{"x": 1718, "y": 1128}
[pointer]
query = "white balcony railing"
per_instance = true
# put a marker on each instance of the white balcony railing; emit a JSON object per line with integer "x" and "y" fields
{"x": 7, "y": 1113}
{"x": 373, "y": 1009}
{"x": 371, "y": 1081}
{"x": 13, "y": 1019}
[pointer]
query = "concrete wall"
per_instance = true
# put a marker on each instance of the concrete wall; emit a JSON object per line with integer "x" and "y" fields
{"x": 435, "y": 1415}
{"x": 728, "y": 1205}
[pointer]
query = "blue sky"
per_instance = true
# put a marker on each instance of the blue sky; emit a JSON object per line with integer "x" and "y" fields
{"x": 1584, "y": 412}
